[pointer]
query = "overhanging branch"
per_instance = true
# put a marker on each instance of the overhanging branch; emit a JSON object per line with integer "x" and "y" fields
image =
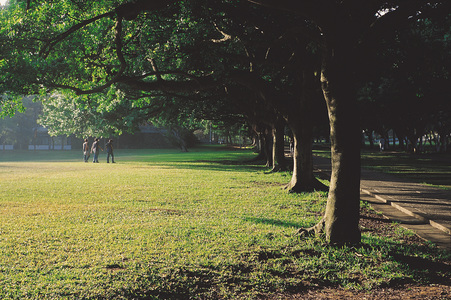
{"x": 51, "y": 43}
{"x": 189, "y": 86}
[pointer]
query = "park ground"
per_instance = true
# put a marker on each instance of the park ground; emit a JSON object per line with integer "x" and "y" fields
{"x": 207, "y": 224}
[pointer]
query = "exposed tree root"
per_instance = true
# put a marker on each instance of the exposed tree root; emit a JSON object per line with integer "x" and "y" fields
{"x": 319, "y": 230}
{"x": 316, "y": 230}
{"x": 279, "y": 168}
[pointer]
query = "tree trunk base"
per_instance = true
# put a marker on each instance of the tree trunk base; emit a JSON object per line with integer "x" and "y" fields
{"x": 320, "y": 230}
{"x": 314, "y": 185}
{"x": 279, "y": 168}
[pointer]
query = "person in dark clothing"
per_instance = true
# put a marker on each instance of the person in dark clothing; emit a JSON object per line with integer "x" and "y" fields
{"x": 109, "y": 151}
{"x": 86, "y": 150}
{"x": 96, "y": 149}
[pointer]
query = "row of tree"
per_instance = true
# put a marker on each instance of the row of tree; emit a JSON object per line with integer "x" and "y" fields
{"x": 20, "y": 131}
{"x": 272, "y": 64}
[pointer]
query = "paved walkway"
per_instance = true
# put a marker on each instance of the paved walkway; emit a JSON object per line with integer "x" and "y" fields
{"x": 422, "y": 208}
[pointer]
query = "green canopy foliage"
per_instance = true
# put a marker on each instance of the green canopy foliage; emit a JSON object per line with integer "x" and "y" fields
{"x": 185, "y": 60}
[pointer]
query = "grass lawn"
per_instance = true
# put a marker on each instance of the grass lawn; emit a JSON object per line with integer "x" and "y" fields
{"x": 163, "y": 224}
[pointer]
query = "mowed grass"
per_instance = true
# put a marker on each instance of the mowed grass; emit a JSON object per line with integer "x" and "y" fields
{"x": 164, "y": 224}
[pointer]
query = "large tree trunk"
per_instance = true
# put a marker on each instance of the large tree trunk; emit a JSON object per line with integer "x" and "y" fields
{"x": 443, "y": 143}
{"x": 259, "y": 147}
{"x": 369, "y": 133}
{"x": 265, "y": 149}
{"x": 341, "y": 219}
{"x": 301, "y": 125}
{"x": 268, "y": 141}
{"x": 303, "y": 179}
{"x": 279, "y": 163}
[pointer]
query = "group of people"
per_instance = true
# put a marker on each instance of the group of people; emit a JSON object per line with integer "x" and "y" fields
{"x": 95, "y": 150}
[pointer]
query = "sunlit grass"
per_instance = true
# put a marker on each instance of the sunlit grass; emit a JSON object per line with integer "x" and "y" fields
{"x": 165, "y": 224}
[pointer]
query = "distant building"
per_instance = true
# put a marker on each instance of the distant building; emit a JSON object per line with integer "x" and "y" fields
{"x": 148, "y": 136}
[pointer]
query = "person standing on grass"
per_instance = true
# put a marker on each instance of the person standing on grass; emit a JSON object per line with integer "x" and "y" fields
{"x": 109, "y": 151}
{"x": 86, "y": 150}
{"x": 96, "y": 149}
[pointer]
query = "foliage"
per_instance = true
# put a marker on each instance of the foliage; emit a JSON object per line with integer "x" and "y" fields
{"x": 167, "y": 50}
{"x": 18, "y": 128}
{"x": 9, "y": 105}
{"x": 409, "y": 93}
{"x": 93, "y": 115}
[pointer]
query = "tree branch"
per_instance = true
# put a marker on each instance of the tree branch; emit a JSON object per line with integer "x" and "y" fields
{"x": 51, "y": 43}
{"x": 225, "y": 36}
{"x": 155, "y": 68}
{"x": 200, "y": 84}
{"x": 120, "y": 55}
{"x": 116, "y": 78}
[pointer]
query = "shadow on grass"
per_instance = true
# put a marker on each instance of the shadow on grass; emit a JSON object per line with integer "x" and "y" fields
{"x": 222, "y": 165}
{"x": 433, "y": 270}
{"x": 236, "y": 279}
{"x": 273, "y": 222}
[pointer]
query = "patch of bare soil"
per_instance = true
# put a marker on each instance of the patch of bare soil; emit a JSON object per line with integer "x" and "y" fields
{"x": 380, "y": 226}
{"x": 407, "y": 292}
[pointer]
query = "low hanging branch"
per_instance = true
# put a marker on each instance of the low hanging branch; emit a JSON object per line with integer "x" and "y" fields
{"x": 116, "y": 78}
{"x": 187, "y": 86}
{"x": 127, "y": 11}
{"x": 45, "y": 51}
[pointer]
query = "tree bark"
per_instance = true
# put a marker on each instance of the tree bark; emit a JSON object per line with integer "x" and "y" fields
{"x": 343, "y": 204}
{"x": 301, "y": 124}
{"x": 267, "y": 143}
{"x": 369, "y": 133}
{"x": 279, "y": 163}
{"x": 261, "y": 147}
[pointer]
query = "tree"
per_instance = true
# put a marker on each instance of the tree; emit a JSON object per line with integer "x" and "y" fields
{"x": 348, "y": 30}
{"x": 20, "y": 129}
{"x": 62, "y": 115}
{"x": 409, "y": 94}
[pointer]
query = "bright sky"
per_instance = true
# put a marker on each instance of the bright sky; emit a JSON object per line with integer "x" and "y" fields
{"x": 2, "y": 2}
